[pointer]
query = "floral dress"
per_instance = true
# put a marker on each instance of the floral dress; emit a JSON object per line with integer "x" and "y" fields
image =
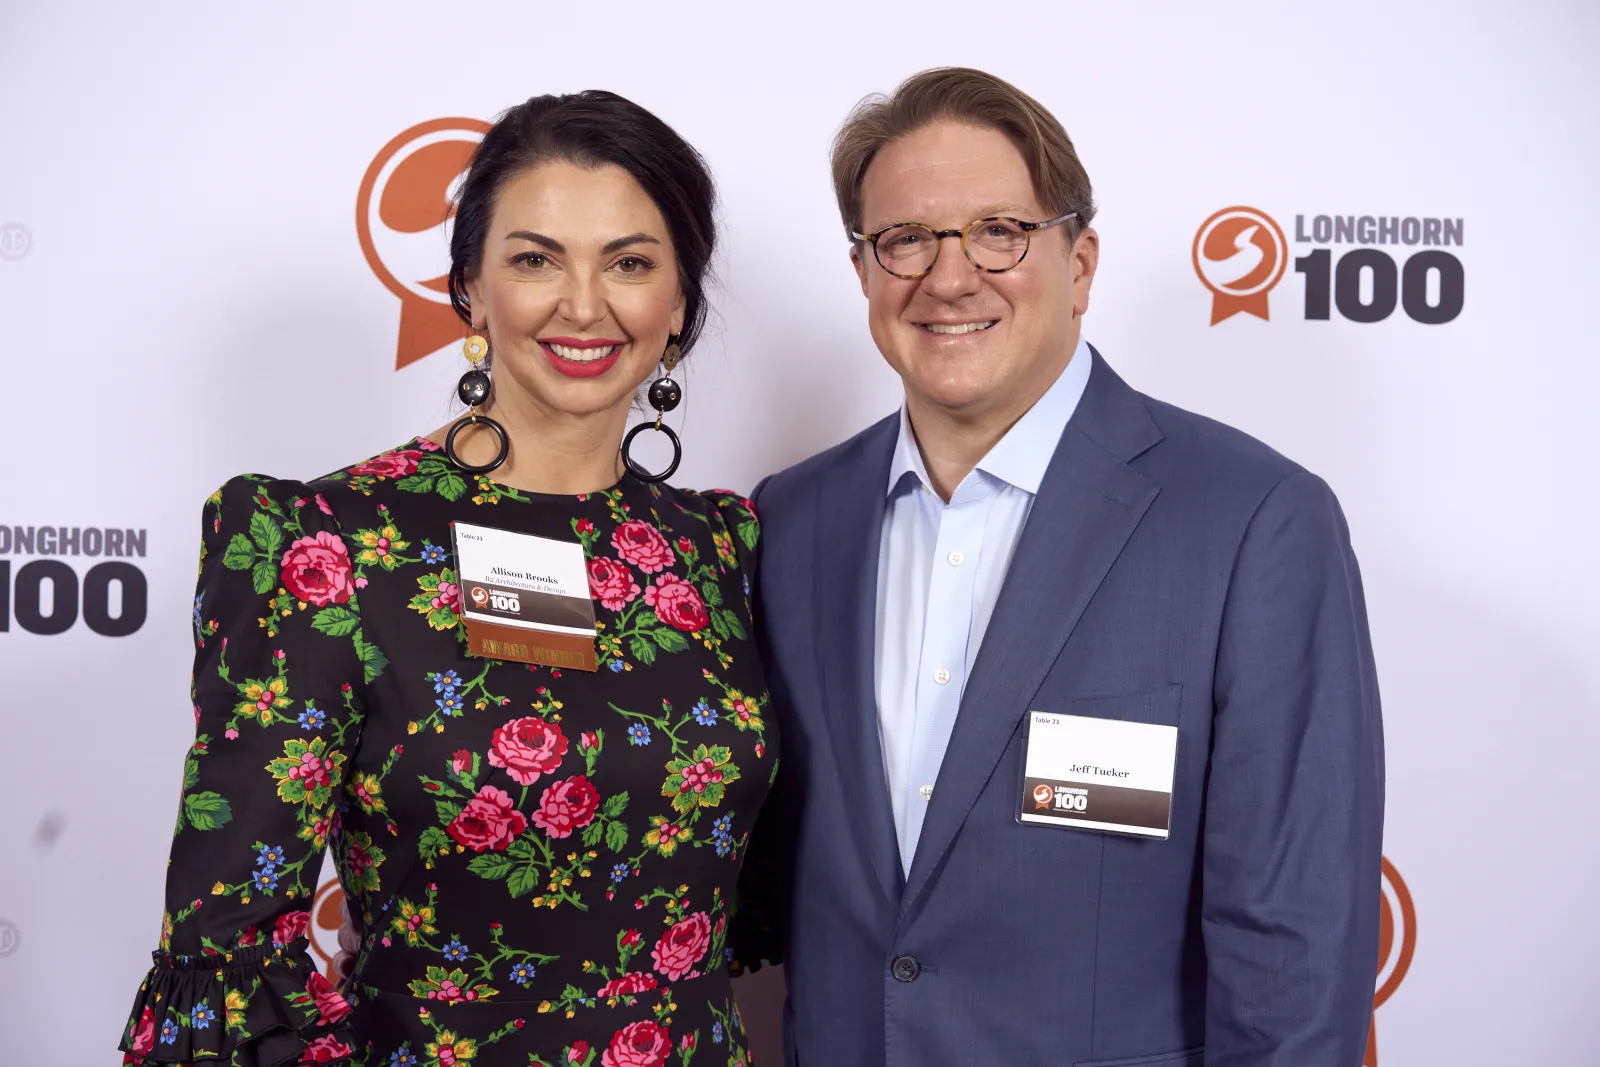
{"x": 539, "y": 861}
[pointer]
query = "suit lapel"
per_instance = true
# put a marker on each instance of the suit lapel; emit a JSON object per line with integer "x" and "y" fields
{"x": 1088, "y": 505}
{"x": 849, "y": 518}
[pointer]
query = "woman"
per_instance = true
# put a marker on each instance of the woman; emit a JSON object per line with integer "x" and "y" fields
{"x": 539, "y": 859}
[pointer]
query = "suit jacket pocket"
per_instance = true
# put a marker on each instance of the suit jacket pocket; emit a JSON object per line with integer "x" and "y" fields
{"x": 1159, "y": 706}
{"x": 1192, "y": 1057}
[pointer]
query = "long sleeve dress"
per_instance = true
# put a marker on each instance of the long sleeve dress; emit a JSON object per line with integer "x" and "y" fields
{"x": 540, "y": 862}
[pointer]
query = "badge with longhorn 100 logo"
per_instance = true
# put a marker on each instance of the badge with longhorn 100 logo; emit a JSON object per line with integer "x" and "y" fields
{"x": 525, "y": 598}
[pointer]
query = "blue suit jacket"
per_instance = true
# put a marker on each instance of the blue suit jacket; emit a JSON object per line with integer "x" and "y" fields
{"x": 1173, "y": 571}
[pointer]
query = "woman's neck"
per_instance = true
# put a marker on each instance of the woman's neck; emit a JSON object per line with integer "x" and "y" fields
{"x": 550, "y": 451}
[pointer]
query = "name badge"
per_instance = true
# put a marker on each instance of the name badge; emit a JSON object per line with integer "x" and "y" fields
{"x": 1098, "y": 774}
{"x": 524, "y": 598}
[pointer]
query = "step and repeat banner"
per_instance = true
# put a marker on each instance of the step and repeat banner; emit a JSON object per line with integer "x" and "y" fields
{"x": 1361, "y": 236}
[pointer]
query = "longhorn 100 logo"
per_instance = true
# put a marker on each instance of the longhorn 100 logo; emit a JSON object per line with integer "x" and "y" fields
{"x": 1241, "y": 253}
{"x": 404, "y": 213}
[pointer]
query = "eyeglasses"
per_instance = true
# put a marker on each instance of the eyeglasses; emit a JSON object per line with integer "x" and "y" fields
{"x": 993, "y": 245}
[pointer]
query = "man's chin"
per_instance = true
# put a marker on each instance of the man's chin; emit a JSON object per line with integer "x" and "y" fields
{"x": 954, "y": 396}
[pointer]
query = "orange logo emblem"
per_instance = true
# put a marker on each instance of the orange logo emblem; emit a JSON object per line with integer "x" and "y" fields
{"x": 1397, "y": 943}
{"x": 1240, "y": 254}
{"x": 403, "y": 214}
{"x": 333, "y": 941}
{"x": 1043, "y": 795}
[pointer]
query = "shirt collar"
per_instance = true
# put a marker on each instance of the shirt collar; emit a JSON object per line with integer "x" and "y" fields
{"x": 1020, "y": 457}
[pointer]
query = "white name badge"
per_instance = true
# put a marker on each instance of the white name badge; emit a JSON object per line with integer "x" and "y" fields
{"x": 1098, "y": 774}
{"x": 524, "y": 598}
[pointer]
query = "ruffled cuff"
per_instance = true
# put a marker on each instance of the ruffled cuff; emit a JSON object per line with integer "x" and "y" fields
{"x": 264, "y": 1006}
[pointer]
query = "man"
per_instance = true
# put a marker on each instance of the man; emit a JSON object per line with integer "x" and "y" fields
{"x": 1082, "y": 747}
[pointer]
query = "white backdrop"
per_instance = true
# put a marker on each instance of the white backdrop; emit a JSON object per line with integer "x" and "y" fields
{"x": 183, "y": 297}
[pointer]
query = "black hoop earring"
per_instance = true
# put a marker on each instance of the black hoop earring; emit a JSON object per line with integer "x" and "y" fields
{"x": 665, "y": 394}
{"x": 473, "y": 389}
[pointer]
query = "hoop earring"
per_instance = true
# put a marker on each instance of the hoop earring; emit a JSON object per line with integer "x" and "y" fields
{"x": 665, "y": 394}
{"x": 473, "y": 389}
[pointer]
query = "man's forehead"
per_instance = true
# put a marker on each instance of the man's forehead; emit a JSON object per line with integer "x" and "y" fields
{"x": 946, "y": 168}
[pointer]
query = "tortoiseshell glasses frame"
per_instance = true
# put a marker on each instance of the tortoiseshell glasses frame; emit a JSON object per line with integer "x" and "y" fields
{"x": 995, "y": 251}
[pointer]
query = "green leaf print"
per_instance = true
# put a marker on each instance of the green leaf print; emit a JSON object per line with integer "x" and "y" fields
{"x": 416, "y": 483}
{"x": 616, "y": 836}
{"x": 642, "y": 650}
{"x": 336, "y": 621}
{"x": 373, "y": 661}
{"x": 207, "y": 811}
{"x": 431, "y": 842}
{"x": 494, "y": 866}
{"x": 670, "y": 640}
{"x": 264, "y": 576}
{"x": 523, "y": 881}
{"x": 265, "y": 533}
{"x": 239, "y": 554}
{"x": 451, "y": 485}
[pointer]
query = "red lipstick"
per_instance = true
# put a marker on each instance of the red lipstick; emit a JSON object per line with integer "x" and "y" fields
{"x": 580, "y": 368}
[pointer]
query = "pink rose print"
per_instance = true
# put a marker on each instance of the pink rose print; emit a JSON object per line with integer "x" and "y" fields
{"x": 641, "y": 1044}
{"x": 611, "y": 583}
{"x": 677, "y": 604}
{"x": 627, "y": 984}
{"x": 681, "y": 947}
{"x": 567, "y": 806}
{"x": 317, "y": 570}
{"x": 144, "y": 1035}
{"x": 642, "y": 545}
{"x": 489, "y": 821}
{"x": 396, "y": 464}
{"x": 578, "y": 1051}
{"x": 330, "y": 1005}
{"x": 290, "y": 927}
{"x": 461, "y": 761}
{"x": 326, "y": 1049}
{"x": 527, "y": 748}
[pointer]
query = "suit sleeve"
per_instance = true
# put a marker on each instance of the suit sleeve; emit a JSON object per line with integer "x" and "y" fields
{"x": 278, "y": 680}
{"x": 1294, "y": 801}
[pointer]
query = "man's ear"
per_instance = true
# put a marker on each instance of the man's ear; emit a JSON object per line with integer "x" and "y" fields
{"x": 1085, "y": 260}
{"x": 860, "y": 265}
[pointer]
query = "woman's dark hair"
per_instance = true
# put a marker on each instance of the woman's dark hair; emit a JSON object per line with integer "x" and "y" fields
{"x": 592, "y": 129}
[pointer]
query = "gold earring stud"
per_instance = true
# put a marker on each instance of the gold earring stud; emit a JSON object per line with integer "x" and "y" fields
{"x": 475, "y": 348}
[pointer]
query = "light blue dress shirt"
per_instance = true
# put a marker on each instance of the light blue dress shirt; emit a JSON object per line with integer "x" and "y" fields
{"x": 940, "y": 568}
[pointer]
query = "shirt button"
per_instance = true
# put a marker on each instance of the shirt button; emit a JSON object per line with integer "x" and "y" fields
{"x": 956, "y": 559}
{"x": 927, "y": 792}
{"x": 941, "y": 676}
{"x": 905, "y": 968}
